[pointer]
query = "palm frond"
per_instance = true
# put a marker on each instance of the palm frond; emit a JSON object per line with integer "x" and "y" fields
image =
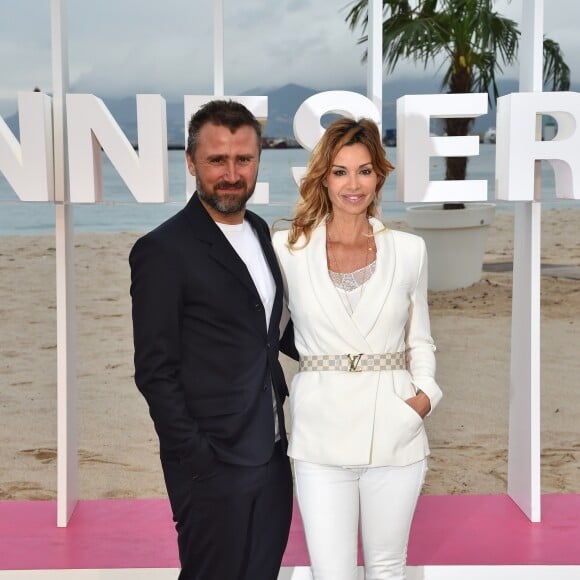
{"x": 556, "y": 71}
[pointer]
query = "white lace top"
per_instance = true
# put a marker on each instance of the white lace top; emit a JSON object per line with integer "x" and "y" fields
{"x": 348, "y": 283}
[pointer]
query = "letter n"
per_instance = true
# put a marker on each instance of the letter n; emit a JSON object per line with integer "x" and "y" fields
{"x": 90, "y": 127}
{"x": 28, "y": 165}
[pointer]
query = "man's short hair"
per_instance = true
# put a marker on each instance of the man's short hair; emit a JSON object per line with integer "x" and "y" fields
{"x": 230, "y": 114}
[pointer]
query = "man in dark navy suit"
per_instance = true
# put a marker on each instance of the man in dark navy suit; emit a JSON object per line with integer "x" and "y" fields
{"x": 207, "y": 307}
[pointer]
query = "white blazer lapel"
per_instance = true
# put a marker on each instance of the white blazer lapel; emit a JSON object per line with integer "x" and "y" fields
{"x": 327, "y": 296}
{"x": 377, "y": 288}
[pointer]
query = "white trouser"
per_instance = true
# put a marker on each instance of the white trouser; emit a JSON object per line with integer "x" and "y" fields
{"x": 329, "y": 498}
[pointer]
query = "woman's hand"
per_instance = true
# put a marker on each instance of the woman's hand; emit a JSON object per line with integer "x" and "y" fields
{"x": 420, "y": 403}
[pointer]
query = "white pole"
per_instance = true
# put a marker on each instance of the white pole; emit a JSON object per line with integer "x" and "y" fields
{"x": 524, "y": 485}
{"x": 375, "y": 54}
{"x": 218, "y": 48}
{"x": 67, "y": 460}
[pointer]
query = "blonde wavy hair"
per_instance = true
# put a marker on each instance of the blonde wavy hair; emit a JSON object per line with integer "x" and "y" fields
{"x": 315, "y": 204}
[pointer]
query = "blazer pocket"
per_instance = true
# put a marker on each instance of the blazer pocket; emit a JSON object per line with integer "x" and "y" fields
{"x": 403, "y": 385}
{"x": 410, "y": 423}
{"x": 218, "y": 406}
{"x": 409, "y": 414}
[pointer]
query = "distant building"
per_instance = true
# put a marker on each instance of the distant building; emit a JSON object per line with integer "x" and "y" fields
{"x": 489, "y": 135}
{"x": 279, "y": 143}
{"x": 390, "y": 138}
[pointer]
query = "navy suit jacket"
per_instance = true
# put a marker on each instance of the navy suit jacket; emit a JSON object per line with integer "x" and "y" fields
{"x": 204, "y": 359}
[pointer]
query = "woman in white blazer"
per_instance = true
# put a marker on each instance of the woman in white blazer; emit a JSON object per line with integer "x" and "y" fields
{"x": 357, "y": 294}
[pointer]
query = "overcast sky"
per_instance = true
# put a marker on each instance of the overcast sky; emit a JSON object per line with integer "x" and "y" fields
{"x": 125, "y": 47}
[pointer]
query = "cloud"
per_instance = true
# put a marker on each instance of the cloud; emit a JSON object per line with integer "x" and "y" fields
{"x": 130, "y": 46}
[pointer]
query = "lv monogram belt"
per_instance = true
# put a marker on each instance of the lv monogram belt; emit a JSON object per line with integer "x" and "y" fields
{"x": 354, "y": 363}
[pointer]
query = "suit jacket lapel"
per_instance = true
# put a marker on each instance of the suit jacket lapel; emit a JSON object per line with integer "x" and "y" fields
{"x": 266, "y": 243}
{"x": 356, "y": 329}
{"x": 222, "y": 252}
{"x": 327, "y": 295}
{"x": 378, "y": 286}
{"x": 205, "y": 230}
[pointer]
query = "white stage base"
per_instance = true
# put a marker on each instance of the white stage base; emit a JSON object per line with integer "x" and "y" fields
{"x": 303, "y": 573}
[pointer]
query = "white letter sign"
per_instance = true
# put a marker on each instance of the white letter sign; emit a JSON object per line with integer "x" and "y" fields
{"x": 28, "y": 166}
{"x": 307, "y": 126}
{"x": 517, "y": 148}
{"x": 415, "y": 146}
{"x": 91, "y": 126}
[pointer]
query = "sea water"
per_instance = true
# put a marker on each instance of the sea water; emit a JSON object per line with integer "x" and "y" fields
{"x": 120, "y": 212}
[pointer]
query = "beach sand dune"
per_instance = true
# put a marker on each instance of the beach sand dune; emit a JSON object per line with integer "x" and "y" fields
{"x": 118, "y": 454}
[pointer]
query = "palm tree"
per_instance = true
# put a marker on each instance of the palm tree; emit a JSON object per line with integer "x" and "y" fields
{"x": 475, "y": 41}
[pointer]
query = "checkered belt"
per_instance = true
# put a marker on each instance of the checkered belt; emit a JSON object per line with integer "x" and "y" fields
{"x": 387, "y": 361}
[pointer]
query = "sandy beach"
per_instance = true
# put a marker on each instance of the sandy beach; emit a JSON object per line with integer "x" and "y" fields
{"x": 118, "y": 446}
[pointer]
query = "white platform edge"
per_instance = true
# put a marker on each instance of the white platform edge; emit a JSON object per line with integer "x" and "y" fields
{"x": 303, "y": 573}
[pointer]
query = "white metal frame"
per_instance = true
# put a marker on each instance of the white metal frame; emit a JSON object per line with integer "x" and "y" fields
{"x": 218, "y": 48}
{"x": 67, "y": 440}
{"x": 524, "y": 400}
{"x": 524, "y": 429}
{"x": 440, "y": 572}
{"x": 375, "y": 54}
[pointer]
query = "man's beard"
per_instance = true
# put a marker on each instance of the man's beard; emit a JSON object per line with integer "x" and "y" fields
{"x": 223, "y": 202}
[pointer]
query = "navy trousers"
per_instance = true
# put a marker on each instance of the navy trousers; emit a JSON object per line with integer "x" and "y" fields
{"x": 233, "y": 522}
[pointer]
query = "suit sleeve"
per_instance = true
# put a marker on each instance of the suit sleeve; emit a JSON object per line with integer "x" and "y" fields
{"x": 287, "y": 344}
{"x": 157, "y": 307}
{"x": 419, "y": 344}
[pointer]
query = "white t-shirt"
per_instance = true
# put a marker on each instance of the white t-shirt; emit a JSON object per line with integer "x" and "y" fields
{"x": 245, "y": 242}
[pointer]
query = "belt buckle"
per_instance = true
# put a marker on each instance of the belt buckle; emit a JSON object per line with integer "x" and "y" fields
{"x": 353, "y": 362}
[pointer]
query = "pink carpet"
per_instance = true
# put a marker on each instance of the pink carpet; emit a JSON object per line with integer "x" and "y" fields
{"x": 447, "y": 530}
